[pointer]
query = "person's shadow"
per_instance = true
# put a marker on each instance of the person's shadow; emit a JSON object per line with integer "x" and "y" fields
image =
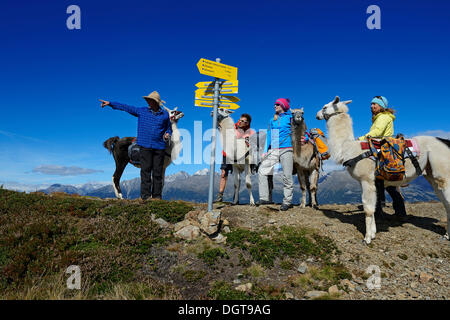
{"x": 358, "y": 220}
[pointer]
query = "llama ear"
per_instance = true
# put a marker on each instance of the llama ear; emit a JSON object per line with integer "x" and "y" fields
{"x": 167, "y": 109}
{"x": 336, "y": 100}
{"x": 301, "y": 110}
{"x": 175, "y": 109}
{"x": 347, "y": 102}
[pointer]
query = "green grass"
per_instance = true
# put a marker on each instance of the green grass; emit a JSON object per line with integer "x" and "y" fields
{"x": 40, "y": 236}
{"x": 210, "y": 256}
{"x": 222, "y": 290}
{"x": 271, "y": 244}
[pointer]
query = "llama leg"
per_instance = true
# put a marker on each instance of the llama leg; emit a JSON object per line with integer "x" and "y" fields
{"x": 444, "y": 196}
{"x": 302, "y": 182}
{"x": 248, "y": 183}
{"x": 237, "y": 181}
{"x": 447, "y": 208}
{"x": 308, "y": 187}
{"x": 313, "y": 179}
{"x": 121, "y": 163}
{"x": 369, "y": 198}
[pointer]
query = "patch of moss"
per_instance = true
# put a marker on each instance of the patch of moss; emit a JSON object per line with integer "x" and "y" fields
{"x": 286, "y": 264}
{"x": 194, "y": 275}
{"x": 255, "y": 270}
{"x": 403, "y": 256}
{"x": 222, "y": 290}
{"x": 270, "y": 244}
{"x": 210, "y": 256}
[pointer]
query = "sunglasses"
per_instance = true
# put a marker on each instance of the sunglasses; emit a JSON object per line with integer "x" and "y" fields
{"x": 245, "y": 121}
{"x": 277, "y": 104}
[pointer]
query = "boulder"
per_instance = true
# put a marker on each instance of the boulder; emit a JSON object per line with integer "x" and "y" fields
{"x": 209, "y": 221}
{"x": 247, "y": 287}
{"x": 315, "y": 294}
{"x": 188, "y": 232}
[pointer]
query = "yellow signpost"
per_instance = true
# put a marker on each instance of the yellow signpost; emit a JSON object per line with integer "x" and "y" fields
{"x": 216, "y": 69}
{"x": 210, "y": 104}
{"x": 210, "y": 94}
{"x": 225, "y": 84}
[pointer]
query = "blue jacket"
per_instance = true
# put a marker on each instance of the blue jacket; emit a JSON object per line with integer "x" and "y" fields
{"x": 283, "y": 139}
{"x": 151, "y": 125}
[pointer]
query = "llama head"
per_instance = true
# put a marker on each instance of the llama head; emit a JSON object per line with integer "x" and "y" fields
{"x": 297, "y": 117}
{"x": 222, "y": 114}
{"x": 174, "y": 114}
{"x": 332, "y": 108}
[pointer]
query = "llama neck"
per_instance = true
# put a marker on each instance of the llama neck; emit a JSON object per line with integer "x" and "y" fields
{"x": 227, "y": 127}
{"x": 340, "y": 137}
{"x": 297, "y": 133}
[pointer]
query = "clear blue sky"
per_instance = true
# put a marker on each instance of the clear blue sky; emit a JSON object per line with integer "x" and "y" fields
{"x": 308, "y": 51}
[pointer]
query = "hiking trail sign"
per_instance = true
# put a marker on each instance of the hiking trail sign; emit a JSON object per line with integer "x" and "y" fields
{"x": 216, "y": 69}
{"x": 210, "y": 94}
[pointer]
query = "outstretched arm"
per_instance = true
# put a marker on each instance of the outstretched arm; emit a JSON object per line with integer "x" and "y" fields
{"x": 120, "y": 106}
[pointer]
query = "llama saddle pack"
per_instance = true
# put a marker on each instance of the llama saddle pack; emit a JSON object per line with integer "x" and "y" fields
{"x": 390, "y": 158}
{"x": 389, "y": 154}
{"x": 320, "y": 142}
{"x": 134, "y": 153}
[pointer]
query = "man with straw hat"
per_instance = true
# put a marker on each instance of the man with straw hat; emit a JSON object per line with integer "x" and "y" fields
{"x": 153, "y": 130}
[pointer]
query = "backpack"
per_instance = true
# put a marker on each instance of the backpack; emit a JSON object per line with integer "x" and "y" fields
{"x": 134, "y": 153}
{"x": 320, "y": 141}
{"x": 390, "y": 160}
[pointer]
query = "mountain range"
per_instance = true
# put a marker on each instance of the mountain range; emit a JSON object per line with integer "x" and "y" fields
{"x": 334, "y": 187}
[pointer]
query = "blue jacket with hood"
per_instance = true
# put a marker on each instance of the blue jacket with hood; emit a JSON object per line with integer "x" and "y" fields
{"x": 279, "y": 133}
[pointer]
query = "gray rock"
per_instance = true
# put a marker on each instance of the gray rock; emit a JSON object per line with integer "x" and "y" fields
{"x": 289, "y": 296}
{"x": 209, "y": 221}
{"x": 302, "y": 268}
{"x": 162, "y": 223}
{"x": 188, "y": 233}
{"x": 315, "y": 294}
{"x": 219, "y": 239}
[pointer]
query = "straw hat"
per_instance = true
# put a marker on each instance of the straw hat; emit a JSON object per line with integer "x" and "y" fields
{"x": 155, "y": 96}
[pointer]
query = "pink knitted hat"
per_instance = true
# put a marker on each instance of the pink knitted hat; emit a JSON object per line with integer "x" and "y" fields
{"x": 284, "y": 103}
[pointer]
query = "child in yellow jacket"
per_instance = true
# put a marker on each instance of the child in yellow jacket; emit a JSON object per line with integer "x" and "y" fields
{"x": 382, "y": 119}
{"x": 383, "y": 126}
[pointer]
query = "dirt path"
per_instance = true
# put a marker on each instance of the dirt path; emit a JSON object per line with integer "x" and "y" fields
{"x": 412, "y": 257}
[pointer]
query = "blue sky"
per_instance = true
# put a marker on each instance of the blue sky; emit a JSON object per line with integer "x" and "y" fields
{"x": 308, "y": 51}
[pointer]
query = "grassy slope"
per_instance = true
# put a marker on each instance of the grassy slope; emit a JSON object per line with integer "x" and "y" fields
{"x": 112, "y": 242}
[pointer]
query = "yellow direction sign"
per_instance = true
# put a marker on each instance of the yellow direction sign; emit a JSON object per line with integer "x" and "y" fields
{"x": 210, "y": 104}
{"x": 228, "y": 105}
{"x": 206, "y": 84}
{"x": 209, "y": 95}
{"x": 216, "y": 69}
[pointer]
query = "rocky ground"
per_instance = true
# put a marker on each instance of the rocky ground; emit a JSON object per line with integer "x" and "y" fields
{"x": 157, "y": 249}
{"x": 412, "y": 256}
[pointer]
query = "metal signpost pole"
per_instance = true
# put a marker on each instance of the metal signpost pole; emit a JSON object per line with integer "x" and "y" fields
{"x": 213, "y": 142}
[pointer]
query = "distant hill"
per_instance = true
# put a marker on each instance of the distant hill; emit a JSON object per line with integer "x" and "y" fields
{"x": 334, "y": 187}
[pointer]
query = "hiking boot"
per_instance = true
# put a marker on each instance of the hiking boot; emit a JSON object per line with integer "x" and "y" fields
{"x": 263, "y": 202}
{"x": 219, "y": 197}
{"x": 285, "y": 207}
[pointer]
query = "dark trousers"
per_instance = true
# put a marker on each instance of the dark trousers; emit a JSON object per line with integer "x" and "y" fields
{"x": 152, "y": 161}
{"x": 397, "y": 200}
